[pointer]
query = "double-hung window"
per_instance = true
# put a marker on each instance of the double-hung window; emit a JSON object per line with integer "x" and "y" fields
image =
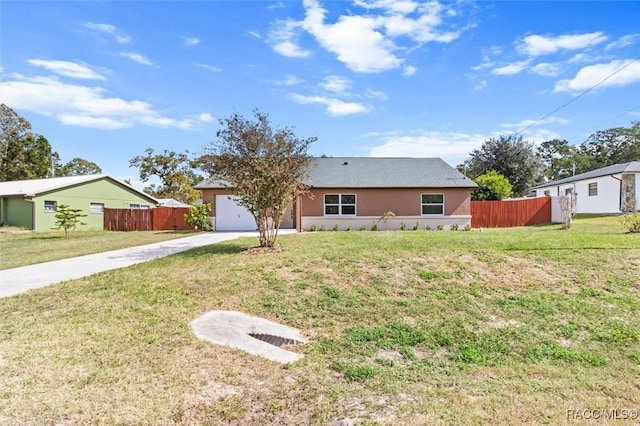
{"x": 340, "y": 204}
{"x": 432, "y": 204}
{"x": 593, "y": 189}
{"x": 50, "y": 206}
{"x": 96, "y": 208}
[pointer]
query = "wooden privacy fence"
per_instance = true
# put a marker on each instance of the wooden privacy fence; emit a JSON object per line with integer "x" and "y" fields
{"x": 502, "y": 214}
{"x": 158, "y": 219}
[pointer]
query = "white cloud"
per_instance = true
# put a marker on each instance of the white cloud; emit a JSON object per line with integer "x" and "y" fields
{"x": 536, "y": 45}
{"x": 67, "y": 69}
{"x": 527, "y": 123}
{"x": 108, "y": 29}
{"x": 334, "y": 106}
{"x": 336, "y": 84}
{"x": 376, "y": 94}
{"x": 190, "y": 41}
{"x": 454, "y": 148}
{"x": 547, "y": 69}
{"x": 511, "y": 69}
{"x": 86, "y": 106}
{"x": 480, "y": 85}
{"x": 283, "y": 38}
{"x": 290, "y": 80}
{"x": 211, "y": 68}
{"x": 409, "y": 70}
{"x": 136, "y": 57}
{"x": 617, "y": 73}
{"x": 365, "y": 43}
{"x": 624, "y": 41}
{"x": 205, "y": 117}
{"x": 255, "y": 34}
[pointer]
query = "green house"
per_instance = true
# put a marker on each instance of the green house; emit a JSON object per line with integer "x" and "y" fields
{"x": 32, "y": 204}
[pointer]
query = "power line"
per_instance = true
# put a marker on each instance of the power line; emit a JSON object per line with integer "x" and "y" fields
{"x": 579, "y": 96}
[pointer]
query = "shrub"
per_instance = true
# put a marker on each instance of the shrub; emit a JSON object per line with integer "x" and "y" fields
{"x": 313, "y": 228}
{"x": 427, "y": 228}
{"x": 363, "y": 227}
{"x": 631, "y": 221}
{"x": 336, "y": 227}
{"x": 68, "y": 218}
{"x": 455, "y": 227}
{"x": 467, "y": 227}
{"x": 374, "y": 226}
{"x": 322, "y": 228}
{"x": 348, "y": 229}
{"x": 198, "y": 216}
{"x": 403, "y": 226}
{"x": 416, "y": 226}
{"x": 440, "y": 228}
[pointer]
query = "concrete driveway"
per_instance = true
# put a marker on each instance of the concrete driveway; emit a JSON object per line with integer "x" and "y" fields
{"x": 20, "y": 280}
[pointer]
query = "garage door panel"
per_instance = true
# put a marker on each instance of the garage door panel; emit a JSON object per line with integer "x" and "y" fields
{"x": 232, "y": 217}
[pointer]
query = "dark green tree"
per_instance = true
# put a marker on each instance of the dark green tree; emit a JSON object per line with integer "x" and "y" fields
{"x": 264, "y": 166}
{"x": 79, "y": 167}
{"x": 612, "y": 146}
{"x": 23, "y": 154}
{"x": 175, "y": 172}
{"x": 510, "y": 156}
{"x": 491, "y": 186}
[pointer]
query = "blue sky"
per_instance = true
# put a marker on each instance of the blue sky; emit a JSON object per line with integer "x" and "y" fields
{"x": 105, "y": 80}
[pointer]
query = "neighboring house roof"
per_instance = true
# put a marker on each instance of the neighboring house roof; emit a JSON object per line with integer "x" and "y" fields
{"x": 170, "y": 202}
{"x": 630, "y": 167}
{"x": 39, "y": 186}
{"x": 377, "y": 172}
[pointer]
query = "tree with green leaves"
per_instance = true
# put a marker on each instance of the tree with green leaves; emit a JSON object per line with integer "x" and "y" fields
{"x": 510, "y": 156}
{"x": 175, "y": 172}
{"x": 491, "y": 186}
{"x": 68, "y": 218}
{"x": 79, "y": 167}
{"x": 263, "y": 166}
{"x": 612, "y": 146}
{"x": 23, "y": 154}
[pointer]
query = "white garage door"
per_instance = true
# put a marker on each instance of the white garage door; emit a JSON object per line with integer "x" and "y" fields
{"x": 232, "y": 217}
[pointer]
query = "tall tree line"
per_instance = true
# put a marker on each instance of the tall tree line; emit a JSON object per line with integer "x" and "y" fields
{"x": 525, "y": 165}
{"x": 28, "y": 155}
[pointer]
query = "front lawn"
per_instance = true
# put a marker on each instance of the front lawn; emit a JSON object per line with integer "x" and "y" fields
{"x": 21, "y": 248}
{"x": 504, "y": 326}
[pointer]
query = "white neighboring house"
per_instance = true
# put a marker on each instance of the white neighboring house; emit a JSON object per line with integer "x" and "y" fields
{"x": 605, "y": 190}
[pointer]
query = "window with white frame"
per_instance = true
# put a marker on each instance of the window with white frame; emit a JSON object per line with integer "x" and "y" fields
{"x": 50, "y": 206}
{"x": 568, "y": 191}
{"x": 340, "y": 204}
{"x": 138, "y": 206}
{"x": 593, "y": 189}
{"x": 432, "y": 204}
{"x": 96, "y": 208}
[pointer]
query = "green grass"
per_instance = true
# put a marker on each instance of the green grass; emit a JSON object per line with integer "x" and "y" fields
{"x": 504, "y": 326}
{"x": 21, "y": 248}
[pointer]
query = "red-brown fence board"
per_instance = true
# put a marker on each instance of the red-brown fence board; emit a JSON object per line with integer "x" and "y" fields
{"x": 506, "y": 213}
{"x": 170, "y": 218}
{"x": 158, "y": 219}
{"x": 127, "y": 220}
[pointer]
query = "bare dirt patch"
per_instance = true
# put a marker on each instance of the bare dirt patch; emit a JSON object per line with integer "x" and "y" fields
{"x": 263, "y": 250}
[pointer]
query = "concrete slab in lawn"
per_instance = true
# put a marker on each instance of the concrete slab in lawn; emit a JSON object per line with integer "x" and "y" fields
{"x": 19, "y": 280}
{"x": 254, "y": 335}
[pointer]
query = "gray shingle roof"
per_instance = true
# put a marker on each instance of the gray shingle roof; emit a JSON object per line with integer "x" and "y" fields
{"x": 631, "y": 167}
{"x": 377, "y": 172}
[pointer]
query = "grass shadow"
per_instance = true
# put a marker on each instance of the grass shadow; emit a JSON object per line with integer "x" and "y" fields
{"x": 213, "y": 249}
